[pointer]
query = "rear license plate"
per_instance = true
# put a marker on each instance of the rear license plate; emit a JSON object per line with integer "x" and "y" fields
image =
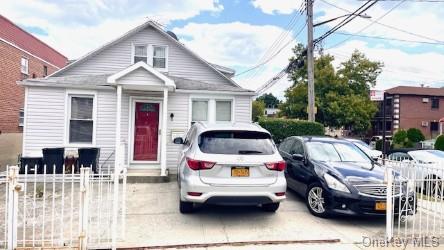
{"x": 240, "y": 172}
{"x": 380, "y": 206}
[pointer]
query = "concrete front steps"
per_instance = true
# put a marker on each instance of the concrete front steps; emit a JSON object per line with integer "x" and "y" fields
{"x": 148, "y": 176}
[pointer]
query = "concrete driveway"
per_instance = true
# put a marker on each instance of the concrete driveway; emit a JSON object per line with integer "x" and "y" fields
{"x": 153, "y": 219}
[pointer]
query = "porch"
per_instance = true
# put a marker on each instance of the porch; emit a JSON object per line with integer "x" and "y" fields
{"x": 146, "y": 92}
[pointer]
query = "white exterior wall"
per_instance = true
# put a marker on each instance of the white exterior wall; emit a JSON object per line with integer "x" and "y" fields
{"x": 181, "y": 63}
{"x": 45, "y": 120}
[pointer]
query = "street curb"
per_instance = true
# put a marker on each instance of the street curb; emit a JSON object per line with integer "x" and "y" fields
{"x": 237, "y": 243}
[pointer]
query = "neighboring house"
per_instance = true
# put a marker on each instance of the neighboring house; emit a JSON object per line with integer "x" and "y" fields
{"x": 130, "y": 98}
{"x": 271, "y": 111}
{"x": 412, "y": 107}
{"x": 21, "y": 56}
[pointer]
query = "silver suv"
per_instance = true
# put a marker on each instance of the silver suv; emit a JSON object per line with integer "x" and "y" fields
{"x": 230, "y": 164}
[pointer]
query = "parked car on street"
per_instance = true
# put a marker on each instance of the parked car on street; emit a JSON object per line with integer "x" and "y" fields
{"x": 335, "y": 177}
{"x": 373, "y": 153}
{"x": 230, "y": 164}
{"x": 427, "y": 166}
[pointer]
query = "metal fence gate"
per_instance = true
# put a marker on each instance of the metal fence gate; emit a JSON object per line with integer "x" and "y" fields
{"x": 415, "y": 205}
{"x": 47, "y": 210}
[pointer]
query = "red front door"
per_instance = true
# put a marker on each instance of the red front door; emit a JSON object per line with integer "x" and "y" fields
{"x": 146, "y": 131}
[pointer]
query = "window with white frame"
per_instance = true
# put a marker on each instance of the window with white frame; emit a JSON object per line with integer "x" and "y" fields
{"x": 24, "y": 65}
{"x": 223, "y": 110}
{"x": 140, "y": 53}
{"x": 211, "y": 109}
{"x": 199, "y": 111}
{"x": 21, "y": 117}
{"x": 81, "y": 120}
{"x": 159, "y": 57}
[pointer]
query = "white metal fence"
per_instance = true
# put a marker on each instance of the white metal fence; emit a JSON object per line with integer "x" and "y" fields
{"x": 415, "y": 206}
{"x": 70, "y": 209}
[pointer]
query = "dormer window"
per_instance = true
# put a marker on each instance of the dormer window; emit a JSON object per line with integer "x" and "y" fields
{"x": 153, "y": 55}
{"x": 141, "y": 53}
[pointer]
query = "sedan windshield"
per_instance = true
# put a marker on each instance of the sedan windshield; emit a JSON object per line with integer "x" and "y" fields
{"x": 427, "y": 156}
{"x": 336, "y": 152}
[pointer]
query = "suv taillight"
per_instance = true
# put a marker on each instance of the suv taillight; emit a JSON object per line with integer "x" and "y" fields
{"x": 199, "y": 165}
{"x": 278, "y": 166}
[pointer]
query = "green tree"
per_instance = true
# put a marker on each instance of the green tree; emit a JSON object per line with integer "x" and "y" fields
{"x": 342, "y": 96}
{"x": 439, "y": 143}
{"x": 400, "y": 139}
{"x": 269, "y": 99}
{"x": 258, "y": 110}
{"x": 415, "y": 135}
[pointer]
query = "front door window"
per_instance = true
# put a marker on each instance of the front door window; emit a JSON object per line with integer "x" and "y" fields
{"x": 146, "y": 131}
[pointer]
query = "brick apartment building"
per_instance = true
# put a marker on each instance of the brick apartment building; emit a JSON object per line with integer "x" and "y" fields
{"x": 21, "y": 56}
{"x": 411, "y": 107}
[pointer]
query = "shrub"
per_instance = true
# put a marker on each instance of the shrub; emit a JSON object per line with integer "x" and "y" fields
{"x": 400, "y": 137}
{"x": 281, "y": 128}
{"x": 258, "y": 109}
{"x": 378, "y": 145}
{"x": 439, "y": 143}
{"x": 415, "y": 135}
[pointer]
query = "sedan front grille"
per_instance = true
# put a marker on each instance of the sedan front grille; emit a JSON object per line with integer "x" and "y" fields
{"x": 377, "y": 190}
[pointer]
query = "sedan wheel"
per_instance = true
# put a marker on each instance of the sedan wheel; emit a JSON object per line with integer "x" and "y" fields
{"x": 315, "y": 200}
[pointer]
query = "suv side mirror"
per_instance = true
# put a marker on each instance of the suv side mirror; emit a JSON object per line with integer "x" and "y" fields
{"x": 297, "y": 157}
{"x": 178, "y": 140}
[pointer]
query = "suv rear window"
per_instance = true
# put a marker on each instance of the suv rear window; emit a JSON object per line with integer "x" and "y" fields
{"x": 236, "y": 142}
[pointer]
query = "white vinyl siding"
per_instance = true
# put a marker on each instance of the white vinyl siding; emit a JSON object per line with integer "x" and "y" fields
{"x": 45, "y": 120}
{"x": 242, "y": 111}
{"x": 180, "y": 62}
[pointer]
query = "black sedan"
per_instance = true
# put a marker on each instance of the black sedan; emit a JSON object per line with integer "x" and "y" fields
{"x": 336, "y": 177}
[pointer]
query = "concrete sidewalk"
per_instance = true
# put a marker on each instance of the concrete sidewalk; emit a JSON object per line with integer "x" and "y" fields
{"x": 153, "y": 219}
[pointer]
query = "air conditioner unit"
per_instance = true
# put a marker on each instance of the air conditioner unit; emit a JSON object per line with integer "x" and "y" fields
{"x": 424, "y": 123}
{"x": 425, "y": 100}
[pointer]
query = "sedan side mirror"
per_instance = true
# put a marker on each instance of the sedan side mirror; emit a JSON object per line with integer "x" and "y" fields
{"x": 178, "y": 140}
{"x": 297, "y": 157}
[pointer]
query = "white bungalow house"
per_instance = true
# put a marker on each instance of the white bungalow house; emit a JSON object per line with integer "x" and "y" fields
{"x": 130, "y": 98}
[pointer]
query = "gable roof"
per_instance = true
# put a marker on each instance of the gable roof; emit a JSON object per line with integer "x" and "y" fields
{"x": 16, "y": 36}
{"x": 141, "y": 65}
{"x": 134, "y": 31}
{"x": 409, "y": 90}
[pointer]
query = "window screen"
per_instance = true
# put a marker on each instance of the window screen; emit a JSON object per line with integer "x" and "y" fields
{"x": 223, "y": 110}
{"x": 199, "y": 110}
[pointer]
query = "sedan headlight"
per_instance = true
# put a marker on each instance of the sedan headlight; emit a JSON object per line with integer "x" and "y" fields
{"x": 335, "y": 184}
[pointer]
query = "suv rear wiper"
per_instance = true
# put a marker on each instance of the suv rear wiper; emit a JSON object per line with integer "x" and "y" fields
{"x": 245, "y": 152}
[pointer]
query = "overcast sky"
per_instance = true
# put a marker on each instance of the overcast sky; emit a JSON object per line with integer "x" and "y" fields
{"x": 239, "y": 33}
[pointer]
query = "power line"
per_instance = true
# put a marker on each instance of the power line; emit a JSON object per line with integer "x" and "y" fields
{"x": 386, "y": 25}
{"x": 274, "y": 55}
{"x": 388, "y": 38}
{"x": 373, "y": 22}
{"x": 283, "y": 35}
{"x": 418, "y": 1}
{"x": 352, "y": 16}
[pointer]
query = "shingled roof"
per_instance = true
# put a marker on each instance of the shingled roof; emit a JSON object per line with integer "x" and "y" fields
{"x": 409, "y": 90}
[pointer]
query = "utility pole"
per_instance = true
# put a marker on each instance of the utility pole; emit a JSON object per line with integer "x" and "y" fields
{"x": 310, "y": 62}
